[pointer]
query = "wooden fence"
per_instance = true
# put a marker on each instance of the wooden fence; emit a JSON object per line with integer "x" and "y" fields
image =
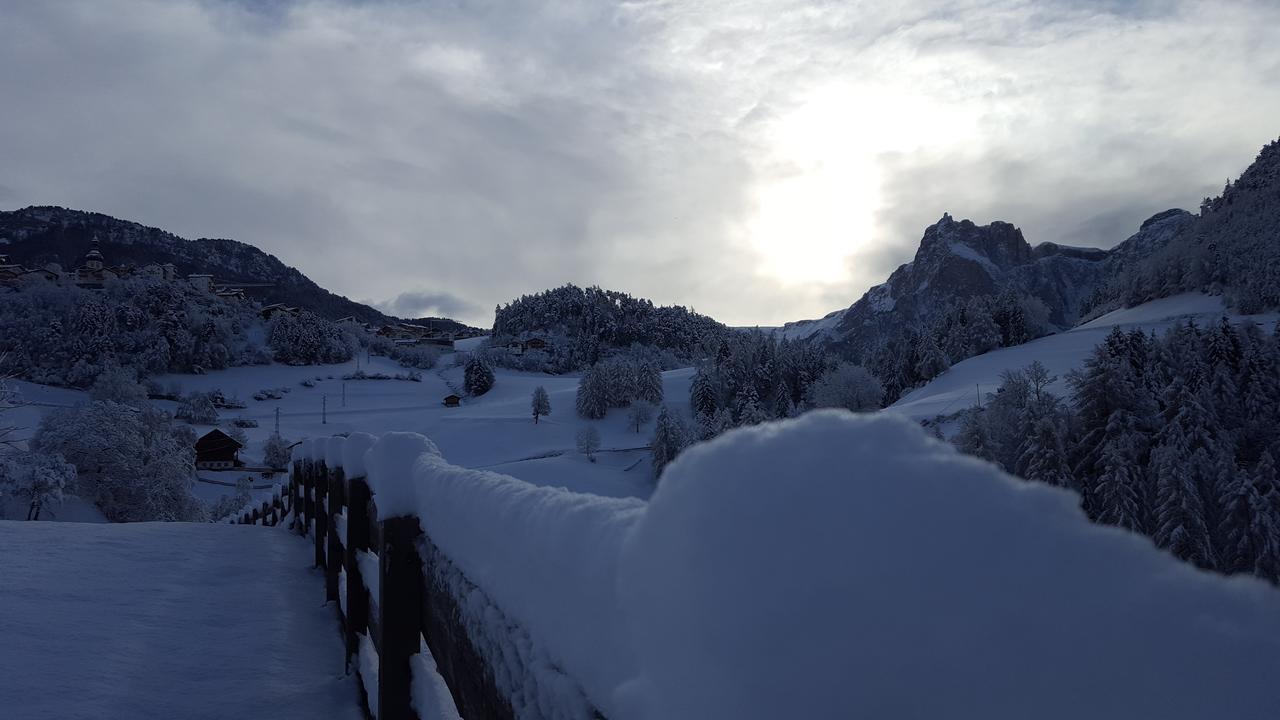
{"x": 414, "y": 599}
{"x": 269, "y": 512}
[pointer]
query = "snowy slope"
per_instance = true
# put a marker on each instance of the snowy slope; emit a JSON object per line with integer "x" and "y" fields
{"x": 959, "y": 386}
{"x": 493, "y": 431}
{"x": 166, "y": 620}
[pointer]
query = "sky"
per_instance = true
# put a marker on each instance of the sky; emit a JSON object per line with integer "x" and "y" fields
{"x": 760, "y": 161}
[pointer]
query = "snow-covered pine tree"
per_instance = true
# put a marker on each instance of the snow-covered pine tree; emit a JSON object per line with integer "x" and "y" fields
{"x": 974, "y": 437}
{"x": 669, "y": 438}
{"x": 703, "y": 396}
{"x": 931, "y": 361}
{"x": 477, "y": 376}
{"x": 1118, "y": 496}
{"x": 540, "y": 403}
{"x": 649, "y": 383}
{"x": 1044, "y": 456}
{"x": 1248, "y": 529}
{"x": 592, "y": 401}
{"x": 1179, "y": 515}
{"x": 749, "y": 410}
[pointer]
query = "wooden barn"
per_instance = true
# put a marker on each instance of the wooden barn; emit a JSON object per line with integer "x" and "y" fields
{"x": 452, "y": 401}
{"x": 217, "y": 451}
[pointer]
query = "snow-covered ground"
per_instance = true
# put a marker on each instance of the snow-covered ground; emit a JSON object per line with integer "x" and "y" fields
{"x": 166, "y": 620}
{"x": 959, "y": 387}
{"x": 832, "y": 566}
{"x": 494, "y": 431}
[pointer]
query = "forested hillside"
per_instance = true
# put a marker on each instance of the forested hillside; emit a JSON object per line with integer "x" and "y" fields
{"x": 579, "y": 325}
{"x": 36, "y": 236}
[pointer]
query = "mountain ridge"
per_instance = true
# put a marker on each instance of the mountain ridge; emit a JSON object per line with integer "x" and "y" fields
{"x": 41, "y": 234}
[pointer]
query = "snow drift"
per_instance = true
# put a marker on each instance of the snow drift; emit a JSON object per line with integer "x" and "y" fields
{"x": 850, "y": 566}
{"x": 842, "y": 566}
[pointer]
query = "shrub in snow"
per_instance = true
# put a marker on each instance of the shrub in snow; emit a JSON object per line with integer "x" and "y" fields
{"x": 243, "y": 422}
{"x": 640, "y": 413}
{"x": 229, "y": 505}
{"x": 235, "y": 432}
{"x": 275, "y": 452}
{"x": 198, "y": 408}
{"x": 540, "y": 403}
{"x": 588, "y": 441}
{"x": 846, "y": 386}
{"x": 848, "y": 566}
{"x": 133, "y": 463}
{"x": 38, "y": 479}
{"x": 118, "y": 385}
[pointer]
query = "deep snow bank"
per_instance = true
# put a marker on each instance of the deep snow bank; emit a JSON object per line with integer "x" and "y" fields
{"x": 849, "y": 566}
{"x": 830, "y": 566}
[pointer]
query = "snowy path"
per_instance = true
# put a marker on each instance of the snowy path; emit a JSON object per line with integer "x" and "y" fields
{"x": 165, "y": 620}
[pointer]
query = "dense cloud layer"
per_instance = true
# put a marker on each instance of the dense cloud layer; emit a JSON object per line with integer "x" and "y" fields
{"x": 760, "y": 161}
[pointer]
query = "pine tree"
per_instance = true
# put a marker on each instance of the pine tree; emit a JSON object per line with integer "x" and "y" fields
{"x": 1044, "y": 457}
{"x": 478, "y": 377}
{"x": 1179, "y": 513}
{"x": 1118, "y": 489}
{"x": 974, "y": 437}
{"x": 593, "y": 399}
{"x": 702, "y": 393}
{"x": 1248, "y": 528}
{"x": 748, "y": 409}
{"x": 540, "y": 403}
{"x": 931, "y": 361}
{"x": 669, "y": 438}
{"x": 649, "y": 384}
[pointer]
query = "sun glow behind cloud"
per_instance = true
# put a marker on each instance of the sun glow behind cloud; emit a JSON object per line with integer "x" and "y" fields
{"x": 821, "y": 187}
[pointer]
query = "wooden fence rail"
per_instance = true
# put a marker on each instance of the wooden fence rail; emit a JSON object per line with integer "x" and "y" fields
{"x": 408, "y": 603}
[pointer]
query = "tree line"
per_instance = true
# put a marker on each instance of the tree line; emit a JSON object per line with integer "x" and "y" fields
{"x": 1174, "y": 436}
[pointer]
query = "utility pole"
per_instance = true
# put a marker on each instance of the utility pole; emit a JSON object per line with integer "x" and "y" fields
{"x": 344, "y": 394}
{"x": 277, "y": 421}
{"x": 978, "y": 391}
{"x": 324, "y": 409}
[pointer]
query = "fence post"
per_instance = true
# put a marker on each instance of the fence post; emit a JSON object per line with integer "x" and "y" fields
{"x": 320, "y": 488}
{"x": 333, "y": 560}
{"x": 357, "y": 541}
{"x": 400, "y": 627}
{"x": 308, "y": 501}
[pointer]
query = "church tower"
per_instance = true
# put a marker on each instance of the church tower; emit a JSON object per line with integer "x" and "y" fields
{"x": 93, "y": 259}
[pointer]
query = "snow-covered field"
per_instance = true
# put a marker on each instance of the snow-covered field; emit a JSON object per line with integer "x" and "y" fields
{"x": 165, "y": 620}
{"x": 493, "y": 431}
{"x": 959, "y": 387}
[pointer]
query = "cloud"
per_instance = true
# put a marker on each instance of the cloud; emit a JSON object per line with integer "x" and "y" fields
{"x": 428, "y": 304}
{"x": 761, "y": 161}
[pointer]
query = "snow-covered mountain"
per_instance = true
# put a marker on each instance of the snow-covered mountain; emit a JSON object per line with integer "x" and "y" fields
{"x": 1231, "y": 248}
{"x": 38, "y": 235}
{"x": 958, "y": 260}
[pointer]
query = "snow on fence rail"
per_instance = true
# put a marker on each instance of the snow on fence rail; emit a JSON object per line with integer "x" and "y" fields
{"x": 830, "y": 566}
{"x": 268, "y": 512}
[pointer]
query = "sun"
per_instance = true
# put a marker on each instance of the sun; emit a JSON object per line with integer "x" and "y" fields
{"x": 821, "y": 189}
